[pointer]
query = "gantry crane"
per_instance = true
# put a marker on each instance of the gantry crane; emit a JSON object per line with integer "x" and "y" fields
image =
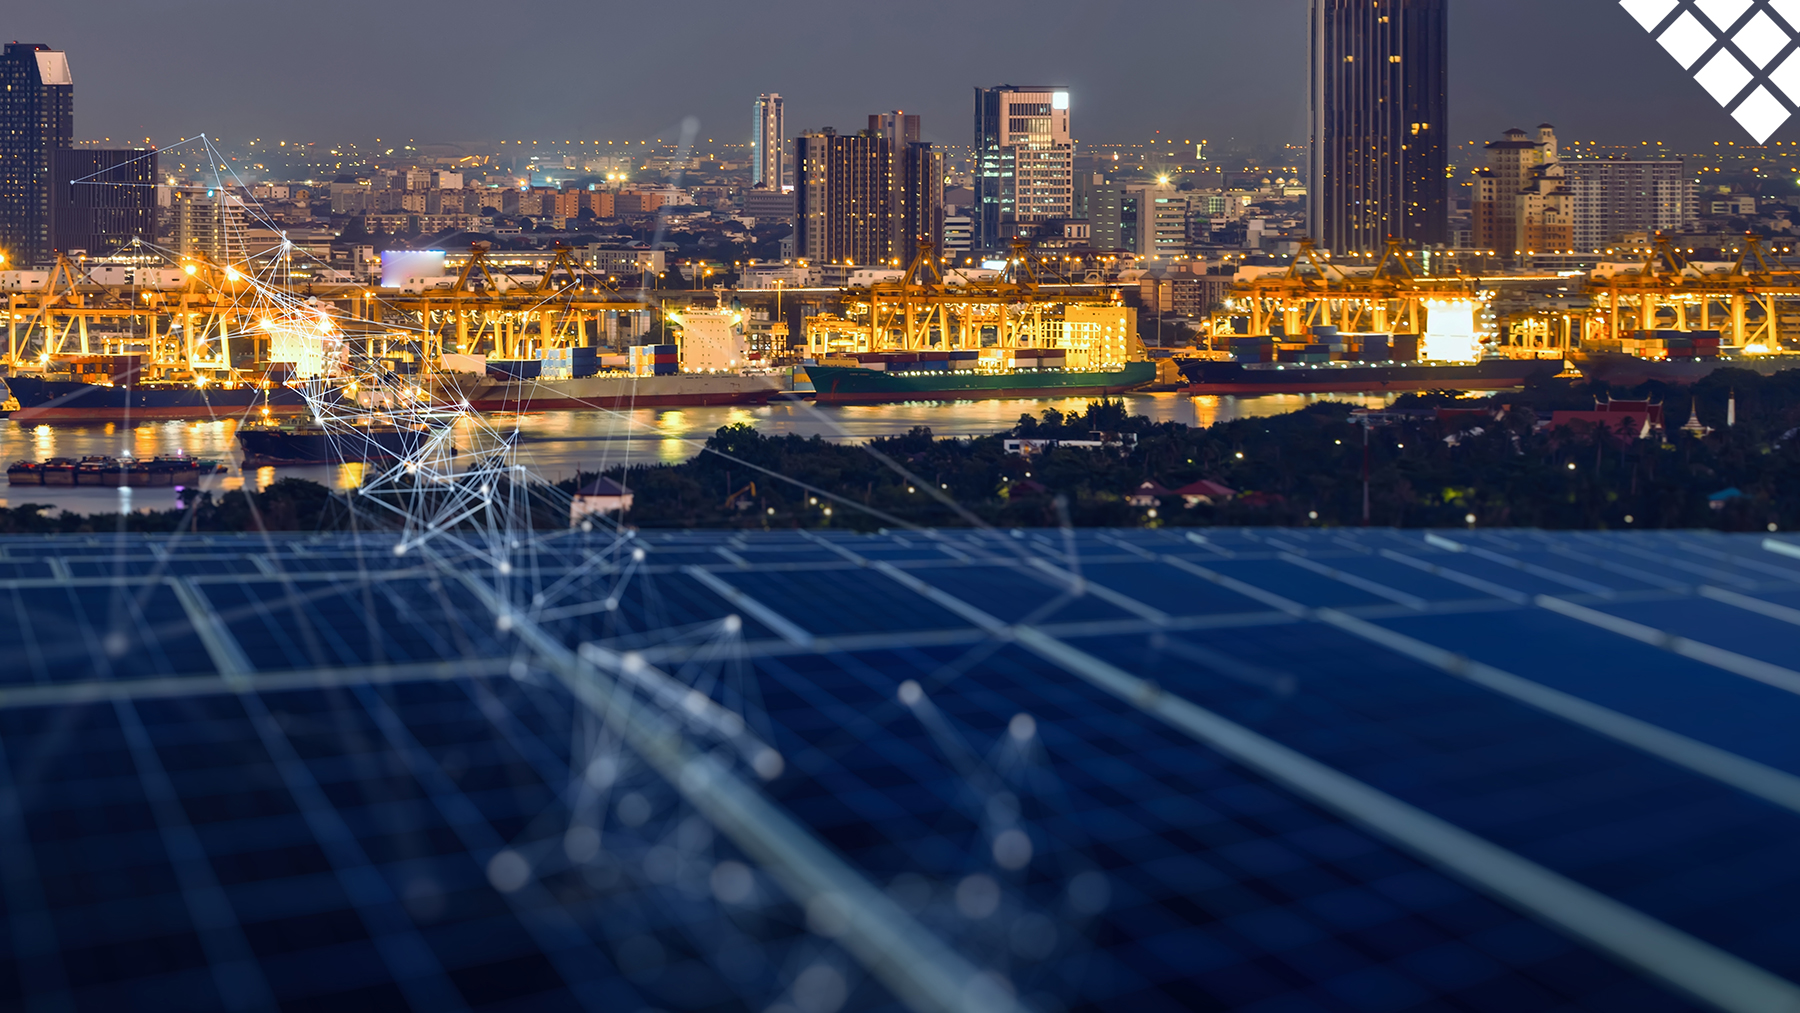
{"x": 922, "y": 310}
{"x": 1313, "y": 292}
{"x": 1667, "y": 292}
{"x": 218, "y": 315}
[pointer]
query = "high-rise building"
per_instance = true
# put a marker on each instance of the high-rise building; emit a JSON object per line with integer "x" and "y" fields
{"x": 209, "y": 223}
{"x": 1161, "y": 224}
{"x": 1521, "y": 205}
{"x": 1614, "y": 197}
{"x": 768, "y": 143}
{"x": 103, "y": 199}
{"x": 1024, "y": 161}
{"x": 1380, "y": 107}
{"x": 37, "y": 119}
{"x": 898, "y": 127}
{"x": 865, "y": 200}
{"x": 1103, "y": 210}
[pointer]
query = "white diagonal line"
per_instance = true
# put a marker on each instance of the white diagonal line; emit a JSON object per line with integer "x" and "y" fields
{"x": 1761, "y": 114}
{"x": 1650, "y": 13}
{"x": 1761, "y": 39}
{"x": 1781, "y": 548}
{"x": 1380, "y": 590}
{"x": 1730, "y": 661}
{"x": 1749, "y": 604}
{"x": 1776, "y": 786}
{"x": 1689, "y": 964}
{"x": 1697, "y": 968}
{"x": 1723, "y": 77}
{"x": 1723, "y": 13}
{"x": 784, "y": 627}
{"x": 1686, "y": 40}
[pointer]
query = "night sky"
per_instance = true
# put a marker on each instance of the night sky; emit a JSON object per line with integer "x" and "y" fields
{"x": 460, "y": 70}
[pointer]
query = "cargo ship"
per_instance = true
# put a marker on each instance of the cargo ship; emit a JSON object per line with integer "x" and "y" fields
{"x": 718, "y": 371}
{"x": 942, "y": 380}
{"x": 611, "y": 391}
{"x": 1623, "y": 369}
{"x": 111, "y": 472}
{"x": 1361, "y": 377}
{"x": 307, "y": 444}
{"x": 44, "y": 400}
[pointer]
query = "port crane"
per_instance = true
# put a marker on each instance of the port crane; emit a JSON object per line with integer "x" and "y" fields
{"x": 1016, "y": 309}
{"x": 1389, "y": 298}
{"x": 1745, "y": 301}
{"x": 213, "y": 319}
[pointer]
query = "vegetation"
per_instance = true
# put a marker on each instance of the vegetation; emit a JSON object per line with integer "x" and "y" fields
{"x": 1306, "y": 468}
{"x": 288, "y": 504}
{"x": 1495, "y": 463}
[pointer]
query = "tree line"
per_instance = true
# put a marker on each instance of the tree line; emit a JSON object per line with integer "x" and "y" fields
{"x": 1492, "y": 461}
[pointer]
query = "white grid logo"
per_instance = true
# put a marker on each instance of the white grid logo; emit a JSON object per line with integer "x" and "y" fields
{"x": 1741, "y": 51}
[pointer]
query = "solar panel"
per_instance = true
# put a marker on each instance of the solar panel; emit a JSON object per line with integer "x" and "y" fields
{"x": 811, "y": 772}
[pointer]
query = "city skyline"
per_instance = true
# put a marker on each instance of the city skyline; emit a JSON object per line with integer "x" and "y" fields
{"x": 1247, "y": 81}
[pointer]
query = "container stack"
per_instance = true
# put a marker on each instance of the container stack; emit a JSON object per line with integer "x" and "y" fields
{"x": 931, "y": 360}
{"x": 1040, "y": 358}
{"x": 515, "y": 369}
{"x": 1672, "y": 344}
{"x": 1256, "y": 348}
{"x": 655, "y": 360}
{"x": 1375, "y": 347}
{"x": 569, "y": 363}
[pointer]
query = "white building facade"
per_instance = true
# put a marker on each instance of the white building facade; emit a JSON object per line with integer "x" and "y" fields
{"x": 1613, "y": 197}
{"x": 768, "y": 143}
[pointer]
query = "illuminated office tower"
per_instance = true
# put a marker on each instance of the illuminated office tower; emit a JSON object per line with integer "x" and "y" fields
{"x": 37, "y": 120}
{"x": 1380, "y": 108}
{"x": 1024, "y": 161}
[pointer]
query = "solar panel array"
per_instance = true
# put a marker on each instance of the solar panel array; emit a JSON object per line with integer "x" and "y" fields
{"x": 809, "y": 772}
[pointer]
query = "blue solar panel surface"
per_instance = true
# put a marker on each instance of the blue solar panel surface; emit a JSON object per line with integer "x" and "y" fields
{"x": 1102, "y": 770}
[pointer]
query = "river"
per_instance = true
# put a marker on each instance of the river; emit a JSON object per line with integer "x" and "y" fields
{"x": 557, "y": 444}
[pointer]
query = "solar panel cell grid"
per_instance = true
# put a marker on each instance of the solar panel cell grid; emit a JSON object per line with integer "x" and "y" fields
{"x": 637, "y": 607}
{"x": 76, "y": 634}
{"x": 1749, "y": 717}
{"x": 828, "y": 602}
{"x": 394, "y": 800}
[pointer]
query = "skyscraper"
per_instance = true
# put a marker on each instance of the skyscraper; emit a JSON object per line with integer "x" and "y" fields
{"x": 864, "y": 199}
{"x": 1380, "y": 108}
{"x": 768, "y": 142}
{"x": 104, "y": 198}
{"x": 37, "y": 119}
{"x": 1024, "y": 160}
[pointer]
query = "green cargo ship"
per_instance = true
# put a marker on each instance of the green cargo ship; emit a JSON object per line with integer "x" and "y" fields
{"x": 853, "y": 385}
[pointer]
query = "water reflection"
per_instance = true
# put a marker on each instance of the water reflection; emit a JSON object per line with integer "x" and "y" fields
{"x": 559, "y": 444}
{"x": 1211, "y": 409}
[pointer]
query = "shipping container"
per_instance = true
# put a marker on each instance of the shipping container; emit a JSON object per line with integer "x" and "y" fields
{"x": 515, "y": 369}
